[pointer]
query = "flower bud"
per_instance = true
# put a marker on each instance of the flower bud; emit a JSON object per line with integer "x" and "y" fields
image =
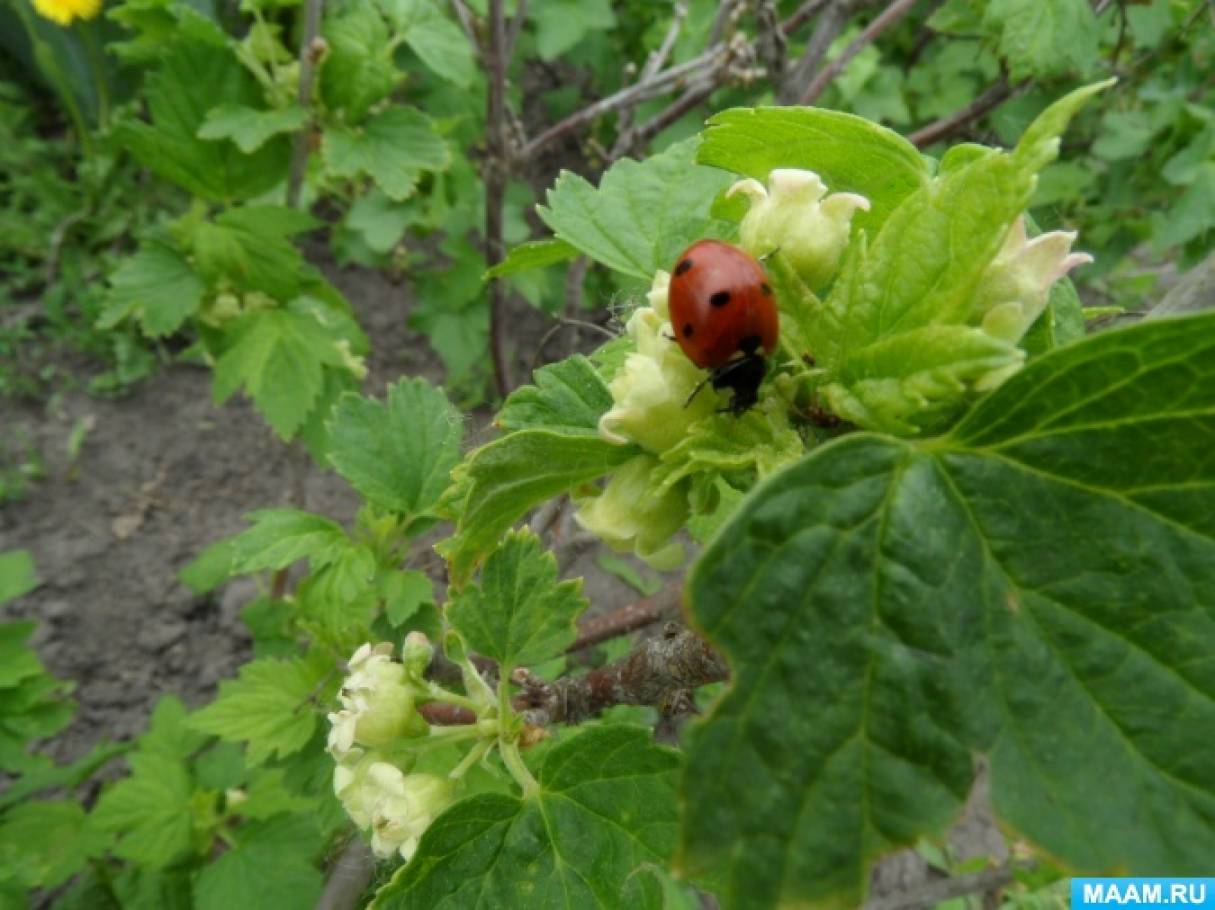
{"x": 416, "y": 654}
{"x": 1015, "y": 289}
{"x": 630, "y": 514}
{"x": 791, "y": 215}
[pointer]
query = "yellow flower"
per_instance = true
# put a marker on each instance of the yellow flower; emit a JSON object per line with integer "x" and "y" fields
{"x": 64, "y": 12}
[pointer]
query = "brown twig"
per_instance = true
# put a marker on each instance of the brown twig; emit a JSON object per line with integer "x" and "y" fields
{"x": 496, "y": 163}
{"x": 937, "y": 892}
{"x": 801, "y": 16}
{"x": 312, "y": 48}
{"x": 830, "y": 24}
{"x": 655, "y": 670}
{"x": 648, "y": 610}
{"x": 950, "y": 125}
{"x": 888, "y": 17}
{"x": 444, "y": 714}
{"x": 349, "y": 877}
{"x": 464, "y": 17}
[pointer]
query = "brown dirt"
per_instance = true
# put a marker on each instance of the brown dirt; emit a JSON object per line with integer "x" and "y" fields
{"x": 162, "y": 473}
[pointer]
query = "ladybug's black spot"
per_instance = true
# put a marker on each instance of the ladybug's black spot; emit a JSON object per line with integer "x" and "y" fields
{"x": 766, "y": 288}
{"x": 687, "y": 330}
{"x": 721, "y": 298}
{"x": 749, "y": 345}
{"x": 683, "y": 266}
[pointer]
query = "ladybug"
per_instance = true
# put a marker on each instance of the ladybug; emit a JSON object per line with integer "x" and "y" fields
{"x": 724, "y": 317}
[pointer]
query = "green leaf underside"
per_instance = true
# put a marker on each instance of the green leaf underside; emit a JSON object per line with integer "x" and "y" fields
{"x": 1036, "y": 586}
{"x": 569, "y": 396}
{"x": 605, "y": 808}
{"x": 272, "y": 706}
{"x": 518, "y": 614}
{"x": 849, "y": 153}
{"x": 513, "y": 474}
{"x": 535, "y": 254}
{"x": 397, "y": 454}
{"x": 642, "y": 215}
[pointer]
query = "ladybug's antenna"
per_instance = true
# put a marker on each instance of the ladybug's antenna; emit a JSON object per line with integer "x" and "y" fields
{"x": 696, "y": 391}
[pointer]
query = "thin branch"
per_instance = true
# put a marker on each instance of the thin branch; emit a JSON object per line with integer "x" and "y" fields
{"x": 638, "y": 136}
{"x": 952, "y": 124}
{"x": 889, "y": 16}
{"x": 464, "y": 17}
{"x": 516, "y": 26}
{"x": 312, "y": 48}
{"x": 349, "y": 877}
{"x": 801, "y": 16}
{"x": 722, "y": 19}
{"x": 830, "y": 25}
{"x": 496, "y": 163}
{"x": 937, "y": 892}
{"x": 648, "y": 610}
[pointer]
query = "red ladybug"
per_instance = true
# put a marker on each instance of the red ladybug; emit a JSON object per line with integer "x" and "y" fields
{"x": 724, "y": 317}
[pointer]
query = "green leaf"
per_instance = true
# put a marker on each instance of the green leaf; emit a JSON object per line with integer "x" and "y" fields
{"x": 518, "y": 614}
{"x": 278, "y": 356}
{"x": 1190, "y": 216}
{"x": 441, "y": 45}
{"x": 404, "y": 593}
{"x": 379, "y": 220}
{"x": 568, "y": 396}
{"x": 248, "y": 247}
{"x": 271, "y": 706}
{"x": 561, "y": 24}
{"x": 152, "y": 811}
{"x": 1035, "y": 587}
{"x": 209, "y": 569}
{"x": 270, "y": 868}
{"x": 250, "y": 127}
{"x": 157, "y": 286}
{"x": 504, "y": 479}
{"x": 280, "y": 537}
{"x": 168, "y": 731}
{"x": 47, "y": 842}
{"x": 393, "y": 148}
{"x": 17, "y": 574}
{"x": 850, "y": 154}
{"x": 1039, "y": 145}
{"x": 642, "y": 214}
{"x": 535, "y": 254}
{"x": 1044, "y": 39}
{"x": 357, "y": 71}
{"x": 197, "y": 72}
{"x": 398, "y": 454}
{"x": 605, "y": 808}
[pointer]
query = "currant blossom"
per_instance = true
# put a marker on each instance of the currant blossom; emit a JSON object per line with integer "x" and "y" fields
{"x": 406, "y": 806}
{"x": 795, "y": 215}
{"x": 651, "y": 391}
{"x": 377, "y": 703}
{"x": 631, "y": 514}
{"x": 1014, "y": 290}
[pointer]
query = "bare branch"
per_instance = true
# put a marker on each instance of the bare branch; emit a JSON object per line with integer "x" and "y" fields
{"x": 312, "y": 48}
{"x": 889, "y": 16}
{"x": 937, "y": 892}
{"x": 725, "y": 12}
{"x": 830, "y": 25}
{"x": 496, "y": 163}
{"x": 464, "y": 17}
{"x": 801, "y": 16}
{"x": 648, "y": 610}
{"x": 516, "y": 26}
{"x": 950, "y": 125}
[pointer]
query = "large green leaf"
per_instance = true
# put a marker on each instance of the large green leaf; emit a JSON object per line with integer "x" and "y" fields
{"x": 156, "y": 285}
{"x": 850, "y": 153}
{"x": 279, "y": 537}
{"x": 152, "y": 811}
{"x": 437, "y": 40}
{"x": 393, "y": 148}
{"x": 1036, "y": 586}
{"x": 561, "y": 24}
{"x": 270, "y": 868}
{"x": 518, "y": 614}
{"x": 504, "y": 479}
{"x": 569, "y": 396}
{"x": 535, "y": 254}
{"x": 249, "y": 247}
{"x": 605, "y": 808}
{"x": 642, "y": 215}
{"x": 398, "y": 454}
{"x": 46, "y": 842}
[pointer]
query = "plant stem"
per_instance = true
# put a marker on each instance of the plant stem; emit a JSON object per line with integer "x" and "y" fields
{"x": 310, "y": 53}
{"x": 475, "y": 754}
{"x": 496, "y": 158}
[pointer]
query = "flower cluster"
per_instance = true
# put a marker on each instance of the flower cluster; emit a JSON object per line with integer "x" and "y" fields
{"x": 377, "y": 713}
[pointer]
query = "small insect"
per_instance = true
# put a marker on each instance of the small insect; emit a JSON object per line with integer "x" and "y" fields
{"x": 724, "y": 317}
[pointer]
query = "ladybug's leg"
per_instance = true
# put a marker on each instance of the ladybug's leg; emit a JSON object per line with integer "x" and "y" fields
{"x": 700, "y": 385}
{"x": 743, "y": 377}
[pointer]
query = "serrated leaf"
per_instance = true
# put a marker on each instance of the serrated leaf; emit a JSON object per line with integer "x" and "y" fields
{"x": 511, "y": 475}
{"x": 518, "y": 614}
{"x": 198, "y": 71}
{"x": 568, "y": 396}
{"x": 398, "y": 454}
{"x": 850, "y": 153}
{"x": 250, "y": 127}
{"x": 280, "y": 537}
{"x": 357, "y": 72}
{"x": 379, "y": 220}
{"x": 269, "y": 868}
{"x": 151, "y": 811}
{"x": 1036, "y": 586}
{"x": 605, "y": 808}
{"x": 535, "y": 254}
{"x": 267, "y": 796}
{"x": 168, "y": 732}
{"x": 441, "y": 45}
{"x": 404, "y": 593}
{"x": 642, "y": 215}
{"x": 393, "y": 148}
{"x": 17, "y": 574}
{"x": 278, "y": 356}
{"x": 47, "y": 842}
{"x": 1044, "y": 39}
{"x": 561, "y": 24}
{"x": 270, "y": 706}
{"x": 157, "y": 286}
{"x": 248, "y": 248}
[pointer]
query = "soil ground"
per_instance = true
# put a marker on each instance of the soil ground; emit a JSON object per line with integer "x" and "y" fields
{"x": 162, "y": 473}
